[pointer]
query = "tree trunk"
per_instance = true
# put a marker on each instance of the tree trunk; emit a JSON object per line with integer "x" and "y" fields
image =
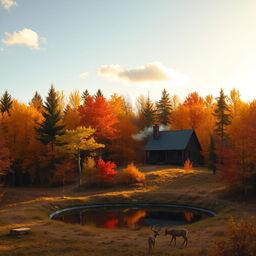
{"x": 79, "y": 169}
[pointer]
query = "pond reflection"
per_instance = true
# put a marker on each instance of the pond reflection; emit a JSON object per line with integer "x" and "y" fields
{"x": 131, "y": 217}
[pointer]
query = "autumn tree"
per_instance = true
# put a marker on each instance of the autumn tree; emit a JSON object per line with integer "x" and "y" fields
{"x": 6, "y": 103}
{"x": 238, "y": 165}
{"x": 21, "y": 139}
{"x": 71, "y": 118}
{"x": 223, "y": 116}
{"x": 98, "y": 114}
{"x": 164, "y": 108}
{"x": 194, "y": 104}
{"x": 209, "y": 100}
{"x": 75, "y": 141}
{"x": 124, "y": 148}
{"x": 74, "y": 99}
{"x": 234, "y": 100}
{"x": 61, "y": 101}
{"x": 50, "y": 127}
{"x": 175, "y": 101}
{"x": 140, "y": 106}
{"x": 37, "y": 102}
{"x": 118, "y": 105}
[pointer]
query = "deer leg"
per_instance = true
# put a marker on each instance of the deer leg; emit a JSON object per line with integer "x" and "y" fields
{"x": 186, "y": 240}
{"x": 175, "y": 241}
{"x": 171, "y": 240}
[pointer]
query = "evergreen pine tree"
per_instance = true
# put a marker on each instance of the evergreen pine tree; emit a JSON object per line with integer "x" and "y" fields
{"x": 85, "y": 95}
{"x": 212, "y": 155}
{"x": 164, "y": 108}
{"x": 37, "y": 101}
{"x": 99, "y": 94}
{"x": 6, "y": 103}
{"x": 49, "y": 129}
{"x": 223, "y": 116}
{"x": 149, "y": 113}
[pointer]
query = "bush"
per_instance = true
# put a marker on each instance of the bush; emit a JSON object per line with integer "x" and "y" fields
{"x": 105, "y": 173}
{"x": 131, "y": 175}
{"x": 188, "y": 165}
{"x": 240, "y": 241}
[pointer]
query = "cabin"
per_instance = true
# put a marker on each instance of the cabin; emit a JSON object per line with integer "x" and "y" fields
{"x": 173, "y": 147}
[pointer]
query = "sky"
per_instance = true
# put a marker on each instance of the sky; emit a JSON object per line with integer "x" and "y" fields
{"x": 130, "y": 47}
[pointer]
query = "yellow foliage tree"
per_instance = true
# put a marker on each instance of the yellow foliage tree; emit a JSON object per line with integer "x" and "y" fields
{"x": 75, "y": 141}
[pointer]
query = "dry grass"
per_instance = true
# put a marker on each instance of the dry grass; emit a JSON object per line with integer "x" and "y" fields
{"x": 31, "y": 206}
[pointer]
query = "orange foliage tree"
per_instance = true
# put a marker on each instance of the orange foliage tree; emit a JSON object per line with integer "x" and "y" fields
{"x": 196, "y": 113}
{"x": 124, "y": 148}
{"x": 238, "y": 167}
{"x": 98, "y": 114}
{"x": 22, "y": 141}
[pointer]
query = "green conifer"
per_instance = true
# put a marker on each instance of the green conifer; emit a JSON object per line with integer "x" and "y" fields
{"x": 49, "y": 129}
{"x": 164, "y": 108}
{"x": 149, "y": 113}
{"x": 85, "y": 95}
{"x": 223, "y": 116}
{"x": 6, "y": 103}
{"x": 99, "y": 94}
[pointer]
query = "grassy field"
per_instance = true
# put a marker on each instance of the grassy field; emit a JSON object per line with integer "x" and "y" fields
{"x": 30, "y": 207}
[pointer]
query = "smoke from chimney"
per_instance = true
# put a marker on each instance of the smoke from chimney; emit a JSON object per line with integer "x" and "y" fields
{"x": 148, "y": 131}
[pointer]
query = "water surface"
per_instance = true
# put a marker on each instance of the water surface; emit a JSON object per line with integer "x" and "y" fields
{"x": 132, "y": 217}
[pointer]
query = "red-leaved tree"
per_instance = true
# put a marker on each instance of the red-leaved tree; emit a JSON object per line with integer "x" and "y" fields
{"x": 98, "y": 114}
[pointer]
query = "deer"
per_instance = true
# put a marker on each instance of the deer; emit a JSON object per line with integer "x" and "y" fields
{"x": 152, "y": 240}
{"x": 177, "y": 233}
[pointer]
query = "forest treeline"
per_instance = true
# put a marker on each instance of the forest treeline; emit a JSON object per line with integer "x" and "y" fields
{"x": 29, "y": 145}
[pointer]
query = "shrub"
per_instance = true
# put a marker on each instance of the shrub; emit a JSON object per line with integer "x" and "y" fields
{"x": 105, "y": 173}
{"x": 188, "y": 165}
{"x": 132, "y": 175}
{"x": 240, "y": 240}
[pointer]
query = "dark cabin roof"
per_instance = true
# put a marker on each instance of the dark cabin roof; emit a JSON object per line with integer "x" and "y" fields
{"x": 170, "y": 140}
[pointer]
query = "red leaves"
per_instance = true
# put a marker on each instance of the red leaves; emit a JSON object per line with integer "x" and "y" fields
{"x": 97, "y": 113}
{"x": 106, "y": 172}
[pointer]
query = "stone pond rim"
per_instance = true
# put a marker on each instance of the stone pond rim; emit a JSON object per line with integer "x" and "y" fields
{"x": 88, "y": 206}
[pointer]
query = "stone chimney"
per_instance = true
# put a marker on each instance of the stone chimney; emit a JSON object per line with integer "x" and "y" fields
{"x": 155, "y": 131}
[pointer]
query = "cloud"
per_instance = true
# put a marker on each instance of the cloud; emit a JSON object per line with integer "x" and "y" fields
{"x": 149, "y": 72}
{"x": 25, "y": 36}
{"x": 84, "y": 75}
{"x": 7, "y": 4}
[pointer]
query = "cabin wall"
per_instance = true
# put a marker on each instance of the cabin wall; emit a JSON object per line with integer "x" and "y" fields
{"x": 192, "y": 151}
{"x": 165, "y": 157}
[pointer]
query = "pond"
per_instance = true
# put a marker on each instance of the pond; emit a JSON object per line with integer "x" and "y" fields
{"x": 132, "y": 216}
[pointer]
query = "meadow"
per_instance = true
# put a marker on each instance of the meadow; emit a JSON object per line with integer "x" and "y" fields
{"x": 30, "y": 207}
